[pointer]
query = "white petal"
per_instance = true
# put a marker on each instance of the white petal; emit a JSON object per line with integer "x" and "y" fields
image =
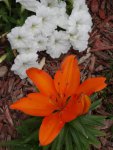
{"x": 31, "y": 5}
{"x": 79, "y": 40}
{"x": 49, "y": 19}
{"x": 80, "y": 5}
{"x": 58, "y": 44}
{"x": 78, "y": 19}
{"x": 33, "y": 24}
{"x": 41, "y": 42}
{"x": 24, "y": 61}
{"x": 19, "y": 38}
{"x": 50, "y": 3}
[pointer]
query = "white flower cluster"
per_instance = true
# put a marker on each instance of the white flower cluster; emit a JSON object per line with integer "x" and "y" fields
{"x": 50, "y": 29}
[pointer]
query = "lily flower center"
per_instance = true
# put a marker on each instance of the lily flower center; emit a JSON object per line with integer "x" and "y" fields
{"x": 60, "y": 102}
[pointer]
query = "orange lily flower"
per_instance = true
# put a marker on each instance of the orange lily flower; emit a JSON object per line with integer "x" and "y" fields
{"x": 60, "y": 100}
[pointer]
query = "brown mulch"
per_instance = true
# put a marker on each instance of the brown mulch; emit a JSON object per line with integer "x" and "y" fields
{"x": 97, "y": 60}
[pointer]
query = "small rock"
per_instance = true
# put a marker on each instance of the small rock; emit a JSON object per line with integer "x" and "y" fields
{"x": 3, "y": 71}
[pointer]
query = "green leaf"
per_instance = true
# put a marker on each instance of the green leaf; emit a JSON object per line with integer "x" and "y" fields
{"x": 95, "y": 104}
{"x": 28, "y": 126}
{"x": 69, "y": 6}
{"x": 10, "y": 55}
{"x": 68, "y": 140}
{"x": 46, "y": 147}
{"x": 33, "y": 136}
{"x": 74, "y": 134}
{"x": 61, "y": 140}
{"x": 92, "y": 139}
{"x": 95, "y": 132}
{"x": 7, "y": 4}
{"x": 79, "y": 127}
{"x": 3, "y": 57}
{"x": 54, "y": 144}
{"x": 91, "y": 120}
{"x": 94, "y": 97}
{"x": 13, "y": 144}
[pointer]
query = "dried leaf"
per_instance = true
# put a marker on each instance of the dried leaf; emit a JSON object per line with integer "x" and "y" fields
{"x": 102, "y": 14}
{"x": 84, "y": 58}
{"x": 8, "y": 116}
{"x": 3, "y": 71}
{"x": 42, "y": 63}
{"x": 94, "y": 6}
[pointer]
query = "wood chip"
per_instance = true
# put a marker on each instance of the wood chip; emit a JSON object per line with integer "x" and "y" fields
{"x": 8, "y": 117}
{"x": 84, "y": 58}
{"x": 3, "y": 71}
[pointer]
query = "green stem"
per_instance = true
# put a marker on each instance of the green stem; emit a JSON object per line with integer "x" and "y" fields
{"x": 8, "y": 5}
{"x": 22, "y": 9}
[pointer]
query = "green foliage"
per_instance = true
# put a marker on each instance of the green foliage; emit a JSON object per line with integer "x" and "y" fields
{"x": 69, "y": 6}
{"x": 109, "y": 108}
{"x": 3, "y": 57}
{"x": 84, "y": 129}
{"x": 27, "y": 136}
{"x": 76, "y": 135}
{"x": 95, "y": 103}
{"x": 11, "y": 15}
{"x": 10, "y": 55}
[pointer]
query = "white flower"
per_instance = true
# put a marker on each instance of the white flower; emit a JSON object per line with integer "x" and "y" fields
{"x": 50, "y": 3}
{"x": 62, "y": 21}
{"x": 79, "y": 40}
{"x": 41, "y": 42}
{"x": 78, "y": 19}
{"x": 49, "y": 19}
{"x": 62, "y": 16}
{"x": 31, "y": 5}
{"x": 79, "y": 25}
{"x": 30, "y": 48}
{"x": 19, "y": 38}
{"x": 40, "y": 31}
{"x": 33, "y": 24}
{"x": 58, "y": 43}
{"x": 62, "y": 5}
{"x": 80, "y": 5}
{"x": 59, "y": 9}
{"x": 23, "y": 62}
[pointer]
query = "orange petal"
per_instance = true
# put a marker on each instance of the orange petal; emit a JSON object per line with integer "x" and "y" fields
{"x": 87, "y": 104}
{"x": 35, "y": 105}
{"x": 42, "y": 80}
{"x": 67, "y": 79}
{"x": 50, "y": 128}
{"x": 92, "y": 85}
{"x": 73, "y": 109}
